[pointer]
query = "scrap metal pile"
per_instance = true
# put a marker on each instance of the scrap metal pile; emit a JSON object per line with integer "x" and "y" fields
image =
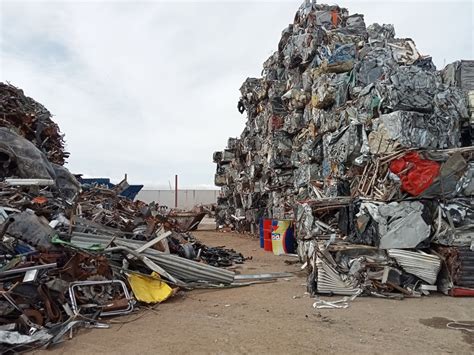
{"x": 33, "y": 121}
{"x": 71, "y": 255}
{"x": 356, "y": 136}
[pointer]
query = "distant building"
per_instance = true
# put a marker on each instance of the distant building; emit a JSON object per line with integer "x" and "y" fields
{"x": 186, "y": 198}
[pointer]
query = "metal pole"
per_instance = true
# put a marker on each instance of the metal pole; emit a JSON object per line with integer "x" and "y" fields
{"x": 176, "y": 191}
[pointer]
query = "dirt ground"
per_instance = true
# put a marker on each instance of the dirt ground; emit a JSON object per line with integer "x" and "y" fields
{"x": 278, "y": 318}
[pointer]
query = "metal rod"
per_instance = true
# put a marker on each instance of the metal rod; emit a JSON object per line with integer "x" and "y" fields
{"x": 25, "y": 269}
{"x": 153, "y": 242}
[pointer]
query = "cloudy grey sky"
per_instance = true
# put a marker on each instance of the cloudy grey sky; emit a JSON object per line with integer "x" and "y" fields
{"x": 150, "y": 88}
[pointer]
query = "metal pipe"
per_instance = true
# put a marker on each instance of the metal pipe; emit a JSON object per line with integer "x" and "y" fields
{"x": 25, "y": 269}
{"x": 30, "y": 182}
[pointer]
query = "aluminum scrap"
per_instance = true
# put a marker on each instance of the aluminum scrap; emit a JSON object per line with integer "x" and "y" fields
{"x": 425, "y": 266}
{"x": 359, "y": 139}
{"x": 399, "y": 101}
{"x": 330, "y": 281}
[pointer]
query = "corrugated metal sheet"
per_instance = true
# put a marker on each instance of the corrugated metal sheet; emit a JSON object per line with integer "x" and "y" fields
{"x": 423, "y": 265}
{"x": 181, "y": 268}
{"x": 330, "y": 281}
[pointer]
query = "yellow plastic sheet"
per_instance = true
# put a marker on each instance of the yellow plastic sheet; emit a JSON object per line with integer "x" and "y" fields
{"x": 149, "y": 289}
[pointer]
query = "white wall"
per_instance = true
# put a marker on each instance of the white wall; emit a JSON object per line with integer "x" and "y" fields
{"x": 186, "y": 198}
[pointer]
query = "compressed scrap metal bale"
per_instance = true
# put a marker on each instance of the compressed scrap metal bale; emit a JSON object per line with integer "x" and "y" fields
{"x": 345, "y": 110}
{"x": 460, "y": 264}
{"x": 461, "y": 74}
{"x": 354, "y": 92}
{"x": 410, "y": 129}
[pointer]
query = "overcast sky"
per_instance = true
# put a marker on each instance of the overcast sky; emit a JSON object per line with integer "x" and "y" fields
{"x": 150, "y": 88}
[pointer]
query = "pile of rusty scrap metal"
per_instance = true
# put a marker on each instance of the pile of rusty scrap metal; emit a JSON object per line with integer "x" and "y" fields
{"x": 71, "y": 255}
{"x": 356, "y": 136}
{"x": 33, "y": 121}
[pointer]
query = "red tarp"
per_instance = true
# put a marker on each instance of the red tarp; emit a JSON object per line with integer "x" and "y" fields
{"x": 416, "y": 174}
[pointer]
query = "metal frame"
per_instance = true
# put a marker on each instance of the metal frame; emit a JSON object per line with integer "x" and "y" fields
{"x": 75, "y": 307}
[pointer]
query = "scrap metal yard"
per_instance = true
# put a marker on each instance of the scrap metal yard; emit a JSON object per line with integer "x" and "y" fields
{"x": 277, "y": 318}
{"x": 344, "y": 222}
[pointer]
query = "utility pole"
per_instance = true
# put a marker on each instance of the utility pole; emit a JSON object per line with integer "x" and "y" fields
{"x": 176, "y": 191}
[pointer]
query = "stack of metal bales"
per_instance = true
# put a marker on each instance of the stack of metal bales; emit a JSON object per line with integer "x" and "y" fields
{"x": 356, "y": 136}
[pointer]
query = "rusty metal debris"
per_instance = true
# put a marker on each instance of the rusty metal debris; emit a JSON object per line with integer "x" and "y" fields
{"x": 68, "y": 251}
{"x": 33, "y": 121}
